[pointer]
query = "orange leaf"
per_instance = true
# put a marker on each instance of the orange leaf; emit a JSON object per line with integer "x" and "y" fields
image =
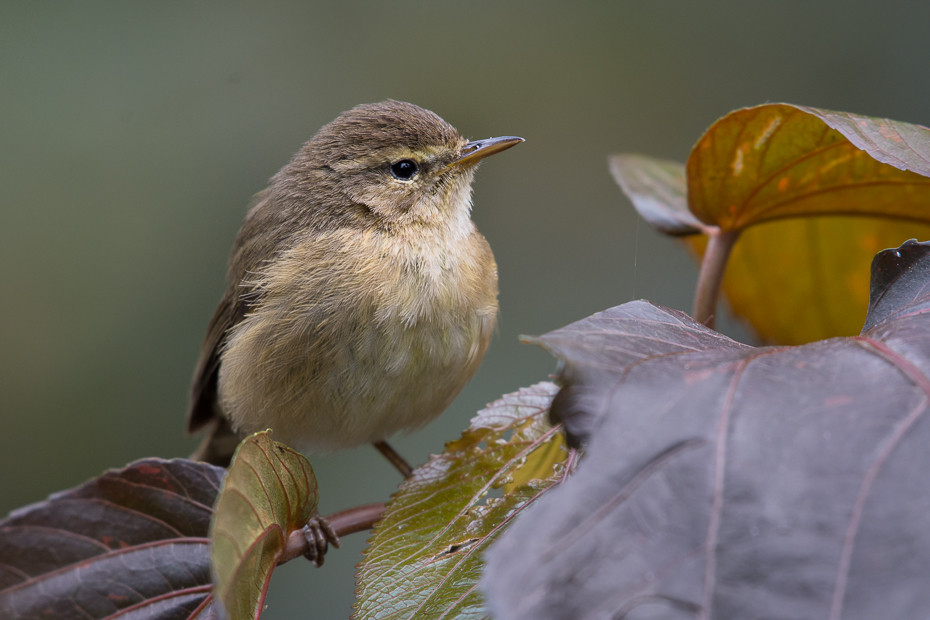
{"x": 812, "y": 195}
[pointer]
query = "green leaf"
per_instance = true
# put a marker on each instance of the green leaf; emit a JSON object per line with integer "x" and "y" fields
{"x": 541, "y": 464}
{"x": 269, "y": 492}
{"x": 424, "y": 557}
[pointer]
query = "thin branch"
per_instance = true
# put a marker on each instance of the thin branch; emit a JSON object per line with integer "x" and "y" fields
{"x": 345, "y": 522}
{"x": 357, "y": 519}
{"x": 713, "y": 266}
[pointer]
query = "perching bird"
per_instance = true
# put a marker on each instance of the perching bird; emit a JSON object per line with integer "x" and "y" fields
{"x": 360, "y": 296}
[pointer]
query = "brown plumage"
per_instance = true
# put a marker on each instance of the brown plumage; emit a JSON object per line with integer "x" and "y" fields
{"x": 358, "y": 302}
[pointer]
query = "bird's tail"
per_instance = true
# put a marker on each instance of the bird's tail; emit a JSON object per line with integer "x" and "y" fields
{"x": 218, "y": 445}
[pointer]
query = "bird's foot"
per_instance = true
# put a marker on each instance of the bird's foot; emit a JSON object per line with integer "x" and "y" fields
{"x": 319, "y": 535}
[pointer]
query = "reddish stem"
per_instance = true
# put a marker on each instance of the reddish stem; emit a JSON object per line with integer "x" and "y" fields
{"x": 345, "y": 522}
{"x": 719, "y": 246}
{"x": 357, "y": 519}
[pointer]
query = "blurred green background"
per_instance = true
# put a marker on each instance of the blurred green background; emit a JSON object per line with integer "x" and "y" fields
{"x": 132, "y": 136}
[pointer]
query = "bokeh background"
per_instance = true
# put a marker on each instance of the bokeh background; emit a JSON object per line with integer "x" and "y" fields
{"x": 133, "y": 134}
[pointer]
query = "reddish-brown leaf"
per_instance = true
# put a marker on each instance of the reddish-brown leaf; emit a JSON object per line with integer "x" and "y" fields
{"x": 131, "y": 543}
{"x": 813, "y": 195}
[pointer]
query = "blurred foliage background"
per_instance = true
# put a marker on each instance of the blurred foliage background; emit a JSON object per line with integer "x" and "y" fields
{"x": 132, "y": 136}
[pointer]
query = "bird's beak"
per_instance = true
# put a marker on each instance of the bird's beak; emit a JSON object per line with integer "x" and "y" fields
{"x": 477, "y": 150}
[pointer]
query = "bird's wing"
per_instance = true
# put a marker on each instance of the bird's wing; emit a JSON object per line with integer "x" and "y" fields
{"x": 249, "y": 252}
{"x": 202, "y": 406}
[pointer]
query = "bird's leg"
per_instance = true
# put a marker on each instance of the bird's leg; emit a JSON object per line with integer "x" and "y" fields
{"x": 395, "y": 459}
{"x": 320, "y": 535}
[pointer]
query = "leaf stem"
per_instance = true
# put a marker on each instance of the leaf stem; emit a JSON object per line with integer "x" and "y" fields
{"x": 719, "y": 246}
{"x": 344, "y": 522}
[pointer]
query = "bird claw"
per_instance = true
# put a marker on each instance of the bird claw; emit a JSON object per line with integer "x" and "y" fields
{"x": 319, "y": 534}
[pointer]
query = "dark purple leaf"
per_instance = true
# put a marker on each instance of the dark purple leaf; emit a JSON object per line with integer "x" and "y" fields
{"x": 724, "y": 481}
{"x": 596, "y": 349}
{"x": 131, "y": 543}
{"x": 900, "y": 282}
{"x": 659, "y": 193}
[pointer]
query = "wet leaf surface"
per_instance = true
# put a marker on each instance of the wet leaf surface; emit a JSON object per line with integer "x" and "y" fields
{"x": 270, "y": 492}
{"x": 724, "y": 481}
{"x": 425, "y": 556}
{"x": 131, "y": 543}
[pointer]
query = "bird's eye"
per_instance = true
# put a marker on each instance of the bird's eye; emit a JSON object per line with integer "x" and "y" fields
{"x": 404, "y": 169}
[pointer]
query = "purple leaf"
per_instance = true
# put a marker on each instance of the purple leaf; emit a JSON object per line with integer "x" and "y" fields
{"x": 725, "y": 481}
{"x": 131, "y": 543}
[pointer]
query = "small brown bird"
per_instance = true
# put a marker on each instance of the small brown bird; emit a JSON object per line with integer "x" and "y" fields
{"x": 360, "y": 296}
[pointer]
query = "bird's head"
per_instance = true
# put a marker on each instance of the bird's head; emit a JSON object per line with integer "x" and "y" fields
{"x": 393, "y": 164}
